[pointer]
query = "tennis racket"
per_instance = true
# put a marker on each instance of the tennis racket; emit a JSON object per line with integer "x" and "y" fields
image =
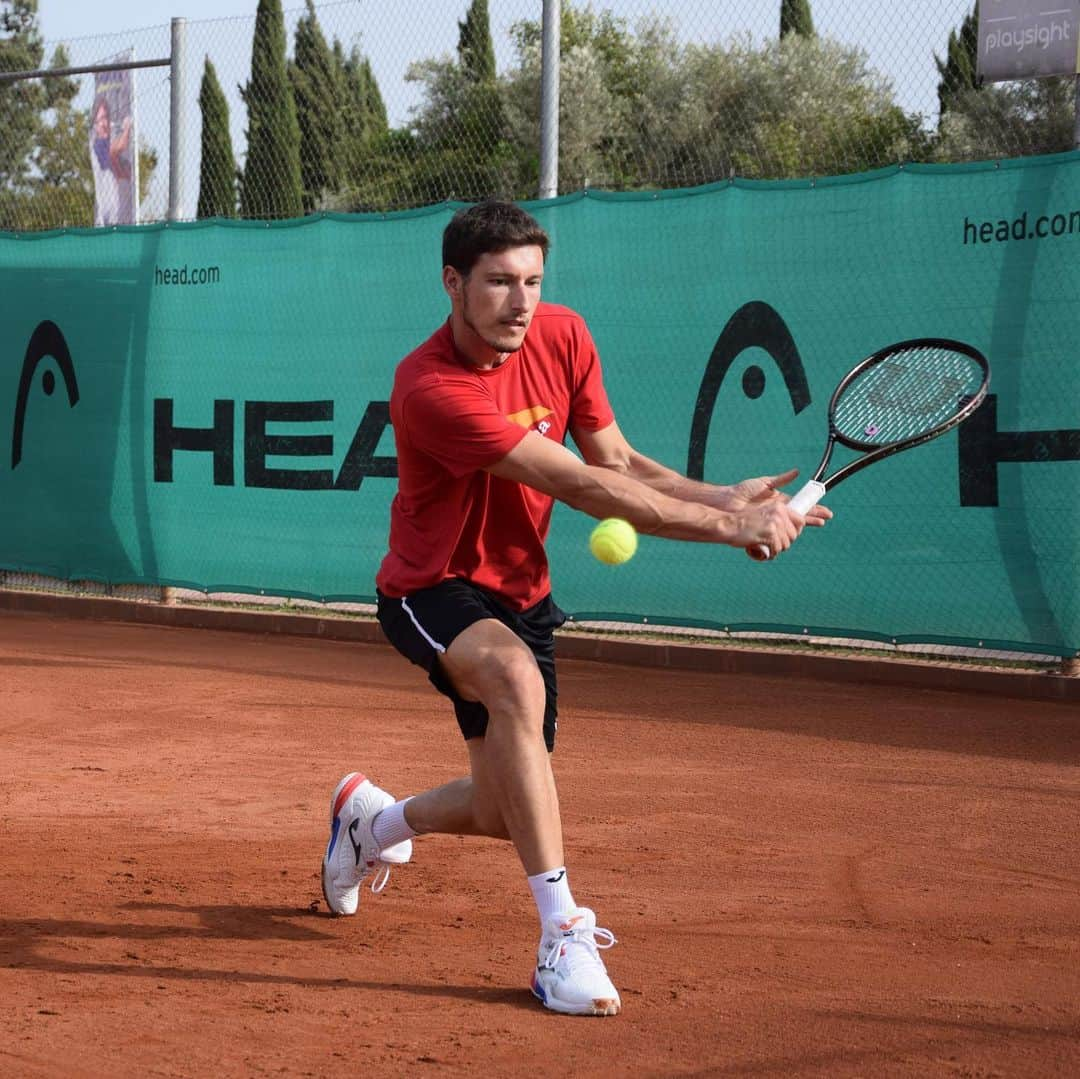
{"x": 899, "y": 397}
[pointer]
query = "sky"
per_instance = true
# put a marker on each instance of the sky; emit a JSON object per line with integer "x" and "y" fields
{"x": 430, "y": 28}
{"x": 900, "y": 45}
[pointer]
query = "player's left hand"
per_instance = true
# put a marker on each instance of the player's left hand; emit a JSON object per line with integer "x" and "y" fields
{"x": 763, "y": 488}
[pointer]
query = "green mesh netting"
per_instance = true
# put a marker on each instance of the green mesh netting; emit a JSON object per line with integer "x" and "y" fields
{"x": 222, "y": 422}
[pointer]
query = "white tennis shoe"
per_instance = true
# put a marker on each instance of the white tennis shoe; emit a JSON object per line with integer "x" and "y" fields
{"x": 570, "y": 976}
{"x": 352, "y": 852}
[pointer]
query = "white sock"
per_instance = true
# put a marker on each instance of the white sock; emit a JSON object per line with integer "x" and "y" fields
{"x": 551, "y": 890}
{"x": 391, "y": 827}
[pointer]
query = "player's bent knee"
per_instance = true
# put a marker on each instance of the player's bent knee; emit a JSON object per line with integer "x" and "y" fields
{"x": 512, "y": 681}
{"x": 518, "y": 696}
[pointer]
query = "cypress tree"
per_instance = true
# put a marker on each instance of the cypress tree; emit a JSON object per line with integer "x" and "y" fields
{"x": 375, "y": 107}
{"x": 363, "y": 112}
{"x": 317, "y": 90}
{"x": 795, "y": 18}
{"x": 476, "y": 51}
{"x": 217, "y": 167}
{"x": 958, "y": 70}
{"x": 271, "y": 184}
{"x": 481, "y": 113}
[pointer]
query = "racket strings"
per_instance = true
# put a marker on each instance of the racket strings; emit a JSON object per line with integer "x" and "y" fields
{"x": 906, "y": 394}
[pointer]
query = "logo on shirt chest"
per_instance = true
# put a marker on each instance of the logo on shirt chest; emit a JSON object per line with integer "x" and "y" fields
{"x": 536, "y": 416}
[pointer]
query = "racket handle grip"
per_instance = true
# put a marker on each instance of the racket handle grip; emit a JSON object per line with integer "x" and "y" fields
{"x": 802, "y": 502}
{"x": 807, "y": 497}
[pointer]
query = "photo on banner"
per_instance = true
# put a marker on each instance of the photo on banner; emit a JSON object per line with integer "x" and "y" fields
{"x": 113, "y": 153}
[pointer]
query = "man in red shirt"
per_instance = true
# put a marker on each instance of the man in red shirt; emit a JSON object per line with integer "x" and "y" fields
{"x": 480, "y": 412}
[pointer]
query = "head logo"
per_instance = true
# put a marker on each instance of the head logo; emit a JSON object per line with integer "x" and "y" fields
{"x": 528, "y": 416}
{"x": 754, "y": 325}
{"x": 46, "y": 340}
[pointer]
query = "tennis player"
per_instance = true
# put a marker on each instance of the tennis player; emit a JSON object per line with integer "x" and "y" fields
{"x": 480, "y": 413}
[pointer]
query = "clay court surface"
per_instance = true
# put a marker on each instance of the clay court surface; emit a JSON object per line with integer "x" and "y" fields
{"x": 806, "y": 879}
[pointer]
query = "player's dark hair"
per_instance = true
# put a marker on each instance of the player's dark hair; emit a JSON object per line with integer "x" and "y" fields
{"x": 487, "y": 228}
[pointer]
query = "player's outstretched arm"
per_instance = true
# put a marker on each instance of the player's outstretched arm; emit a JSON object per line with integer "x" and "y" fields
{"x": 609, "y": 448}
{"x": 602, "y": 492}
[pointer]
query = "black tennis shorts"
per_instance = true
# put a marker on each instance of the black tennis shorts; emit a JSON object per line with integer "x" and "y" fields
{"x": 422, "y": 626}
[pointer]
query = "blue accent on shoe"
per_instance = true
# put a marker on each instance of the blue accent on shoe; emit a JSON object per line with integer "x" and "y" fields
{"x": 537, "y": 988}
{"x": 335, "y": 827}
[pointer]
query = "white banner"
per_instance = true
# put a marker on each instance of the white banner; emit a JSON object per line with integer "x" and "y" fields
{"x": 113, "y": 147}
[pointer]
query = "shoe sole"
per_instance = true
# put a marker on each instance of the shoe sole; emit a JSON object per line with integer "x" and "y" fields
{"x": 326, "y": 897}
{"x": 600, "y": 1006}
{"x": 341, "y": 793}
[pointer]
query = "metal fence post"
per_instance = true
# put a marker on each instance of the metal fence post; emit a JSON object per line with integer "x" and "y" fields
{"x": 177, "y": 140}
{"x": 1076, "y": 113}
{"x": 549, "y": 100}
{"x": 177, "y": 206}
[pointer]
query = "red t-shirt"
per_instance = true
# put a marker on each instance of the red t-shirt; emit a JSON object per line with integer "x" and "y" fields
{"x": 452, "y": 420}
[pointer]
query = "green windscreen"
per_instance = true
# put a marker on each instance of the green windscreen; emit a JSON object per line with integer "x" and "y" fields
{"x": 205, "y": 404}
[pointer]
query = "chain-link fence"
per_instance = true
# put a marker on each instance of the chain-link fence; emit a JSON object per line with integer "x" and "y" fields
{"x": 351, "y": 106}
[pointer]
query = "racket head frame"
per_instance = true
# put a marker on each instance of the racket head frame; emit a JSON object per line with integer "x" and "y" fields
{"x": 873, "y": 451}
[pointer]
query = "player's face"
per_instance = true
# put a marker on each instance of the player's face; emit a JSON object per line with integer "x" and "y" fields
{"x": 494, "y": 305}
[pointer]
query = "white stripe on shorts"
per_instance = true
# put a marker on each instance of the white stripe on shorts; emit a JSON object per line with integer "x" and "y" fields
{"x": 420, "y": 629}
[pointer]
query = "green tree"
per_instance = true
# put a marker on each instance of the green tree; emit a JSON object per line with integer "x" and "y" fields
{"x": 363, "y": 111}
{"x": 648, "y": 111}
{"x": 271, "y": 185}
{"x": 317, "y": 89}
{"x": 795, "y": 18}
{"x": 217, "y": 165}
{"x": 21, "y": 102}
{"x": 462, "y": 147}
{"x": 372, "y": 165}
{"x": 375, "y": 107}
{"x": 958, "y": 70}
{"x": 58, "y": 191}
{"x": 605, "y": 73}
{"x": 641, "y": 109}
{"x": 482, "y": 111}
{"x": 1009, "y": 119}
{"x": 1015, "y": 118}
{"x": 476, "y": 51}
{"x": 796, "y": 107}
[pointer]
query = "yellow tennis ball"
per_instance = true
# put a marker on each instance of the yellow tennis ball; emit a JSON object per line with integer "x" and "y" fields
{"x": 613, "y": 541}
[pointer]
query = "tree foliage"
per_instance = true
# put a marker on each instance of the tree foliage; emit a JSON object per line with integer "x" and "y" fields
{"x": 21, "y": 49}
{"x": 459, "y": 147}
{"x": 639, "y": 108}
{"x": 46, "y": 179}
{"x": 59, "y": 191}
{"x": 642, "y": 110}
{"x": 217, "y": 165}
{"x": 1007, "y": 119}
{"x": 799, "y": 106}
{"x": 958, "y": 70}
{"x": 611, "y": 80}
{"x": 795, "y": 18}
{"x": 363, "y": 151}
{"x": 317, "y": 88}
{"x": 271, "y": 185}
{"x": 476, "y": 50}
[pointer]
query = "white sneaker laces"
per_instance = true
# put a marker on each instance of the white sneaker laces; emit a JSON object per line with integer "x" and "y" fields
{"x": 583, "y": 937}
